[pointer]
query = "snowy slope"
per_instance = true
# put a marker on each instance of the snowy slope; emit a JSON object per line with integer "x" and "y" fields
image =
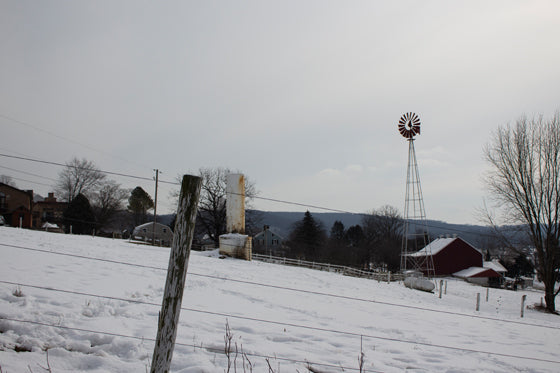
{"x": 298, "y": 315}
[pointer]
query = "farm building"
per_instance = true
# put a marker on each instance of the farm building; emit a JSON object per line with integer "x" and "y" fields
{"x": 450, "y": 255}
{"x": 163, "y": 234}
{"x": 480, "y": 276}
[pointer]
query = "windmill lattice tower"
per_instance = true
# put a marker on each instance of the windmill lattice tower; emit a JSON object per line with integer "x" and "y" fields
{"x": 415, "y": 229}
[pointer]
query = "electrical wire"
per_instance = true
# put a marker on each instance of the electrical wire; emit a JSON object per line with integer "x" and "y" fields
{"x": 28, "y": 173}
{"x": 304, "y": 291}
{"x": 36, "y": 128}
{"x": 316, "y": 207}
{"x": 369, "y": 336}
{"x": 207, "y": 348}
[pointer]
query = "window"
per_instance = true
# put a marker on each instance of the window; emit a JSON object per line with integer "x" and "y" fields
{"x": 2, "y": 200}
{"x": 164, "y": 230}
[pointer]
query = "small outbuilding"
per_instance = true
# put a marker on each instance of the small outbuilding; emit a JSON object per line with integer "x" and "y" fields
{"x": 145, "y": 232}
{"x": 450, "y": 255}
{"x": 479, "y": 276}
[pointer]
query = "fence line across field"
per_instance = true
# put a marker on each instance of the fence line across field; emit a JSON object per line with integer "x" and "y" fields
{"x": 344, "y": 270}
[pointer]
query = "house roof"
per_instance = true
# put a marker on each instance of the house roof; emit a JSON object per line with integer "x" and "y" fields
{"x": 28, "y": 192}
{"x": 272, "y": 233}
{"x": 495, "y": 265}
{"x": 476, "y": 272}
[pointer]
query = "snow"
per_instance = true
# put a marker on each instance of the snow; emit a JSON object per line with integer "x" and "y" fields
{"x": 435, "y": 246}
{"x": 473, "y": 272}
{"x": 318, "y": 317}
{"x": 495, "y": 265}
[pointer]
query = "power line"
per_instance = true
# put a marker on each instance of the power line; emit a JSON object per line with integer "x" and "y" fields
{"x": 312, "y": 292}
{"x": 29, "y": 181}
{"x": 207, "y": 348}
{"x": 27, "y": 124}
{"x": 287, "y": 324}
{"x": 86, "y": 169}
{"x": 28, "y": 173}
{"x": 299, "y": 204}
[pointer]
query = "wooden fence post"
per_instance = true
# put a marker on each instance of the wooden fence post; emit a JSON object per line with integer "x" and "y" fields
{"x": 523, "y": 298}
{"x": 176, "y": 274}
{"x": 440, "y": 288}
{"x": 478, "y": 301}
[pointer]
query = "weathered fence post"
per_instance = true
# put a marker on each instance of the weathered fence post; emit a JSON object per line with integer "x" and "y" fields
{"x": 477, "y": 301}
{"x": 176, "y": 274}
{"x": 445, "y": 290}
{"x": 440, "y": 288}
{"x": 389, "y": 277}
{"x": 487, "y": 293}
{"x": 523, "y": 299}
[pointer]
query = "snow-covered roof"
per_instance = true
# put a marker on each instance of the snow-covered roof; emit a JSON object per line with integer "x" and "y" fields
{"x": 150, "y": 224}
{"x": 261, "y": 233}
{"x": 495, "y": 265}
{"x": 475, "y": 272}
{"x": 49, "y": 225}
{"x": 434, "y": 247}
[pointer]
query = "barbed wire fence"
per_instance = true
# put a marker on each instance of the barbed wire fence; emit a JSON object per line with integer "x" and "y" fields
{"x": 248, "y": 283}
{"x": 225, "y": 315}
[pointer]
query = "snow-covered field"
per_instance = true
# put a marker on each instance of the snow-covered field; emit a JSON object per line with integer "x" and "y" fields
{"x": 101, "y": 315}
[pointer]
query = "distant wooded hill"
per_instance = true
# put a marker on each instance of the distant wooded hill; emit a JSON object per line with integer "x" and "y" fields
{"x": 281, "y": 222}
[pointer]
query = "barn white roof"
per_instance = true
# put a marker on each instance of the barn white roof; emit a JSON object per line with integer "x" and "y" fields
{"x": 434, "y": 247}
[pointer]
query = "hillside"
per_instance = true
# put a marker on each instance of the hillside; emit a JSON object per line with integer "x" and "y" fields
{"x": 281, "y": 222}
{"x": 93, "y": 304}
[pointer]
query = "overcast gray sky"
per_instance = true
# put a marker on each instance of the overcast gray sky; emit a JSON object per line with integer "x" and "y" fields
{"x": 301, "y": 96}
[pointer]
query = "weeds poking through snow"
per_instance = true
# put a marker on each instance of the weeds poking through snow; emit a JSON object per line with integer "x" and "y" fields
{"x": 18, "y": 292}
{"x": 47, "y": 369}
{"x": 227, "y": 350}
{"x": 361, "y": 356}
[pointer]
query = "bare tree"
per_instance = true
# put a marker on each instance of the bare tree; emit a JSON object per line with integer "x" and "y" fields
{"x": 525, "y": 180}
{"x": 108, "y": 201}
{"x": 79, "y": 176}
{"x": 383, "y": 233}
{"x": 5, "y": 179}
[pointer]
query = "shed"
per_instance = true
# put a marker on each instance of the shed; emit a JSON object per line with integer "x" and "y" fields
{"x": 479, "y": 275}
{"x": 496, "y": 266}
{"x": 450, "y": 255}
{"x": 144, "y": 232}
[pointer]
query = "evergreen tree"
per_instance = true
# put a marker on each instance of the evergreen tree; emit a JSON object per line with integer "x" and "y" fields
{"x": 337, "y": 231}
{"x": 139, "y": 203}
{"x": 79, "y": 215}
{"x": 308, "y": 238}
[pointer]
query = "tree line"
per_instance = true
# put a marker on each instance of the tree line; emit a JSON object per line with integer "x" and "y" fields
{"x": 374, "y": 243}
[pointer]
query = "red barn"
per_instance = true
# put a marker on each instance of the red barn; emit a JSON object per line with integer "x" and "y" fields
{"x": 450, "y": 255}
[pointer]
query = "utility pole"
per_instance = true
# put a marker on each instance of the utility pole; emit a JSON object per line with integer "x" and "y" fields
{"x": 155, "y": 210}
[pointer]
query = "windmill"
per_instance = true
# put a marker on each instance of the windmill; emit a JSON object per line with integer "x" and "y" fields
{"x": 415, "y": 230}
